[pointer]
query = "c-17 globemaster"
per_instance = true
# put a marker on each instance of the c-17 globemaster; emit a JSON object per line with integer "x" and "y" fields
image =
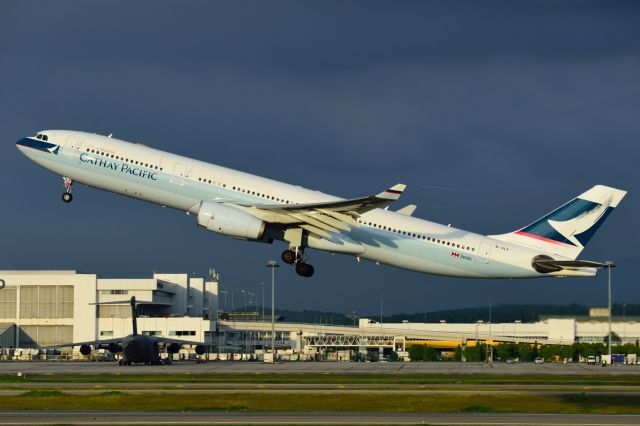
{"x": 249, "y": 207}
{"x": 135, "y": 348}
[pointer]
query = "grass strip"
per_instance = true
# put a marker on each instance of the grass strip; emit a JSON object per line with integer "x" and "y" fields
{"x": 578, "y": 403}
{"x": 416, "y": 379}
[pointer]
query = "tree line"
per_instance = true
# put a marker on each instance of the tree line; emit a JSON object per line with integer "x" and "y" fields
{"x": 524, "y": 352}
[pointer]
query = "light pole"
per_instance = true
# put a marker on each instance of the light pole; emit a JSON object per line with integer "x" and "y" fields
{"x": 609, "y": 264}
{"x": 273, "y": 265}
{"x": 252, "y": 301}
{"x": 245, "y": 299}
{"x": 262, "y": 285}
{"x": 624, "y": 322}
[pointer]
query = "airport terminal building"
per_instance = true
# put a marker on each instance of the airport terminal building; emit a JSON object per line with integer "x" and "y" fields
{"x": 45, "y": 308}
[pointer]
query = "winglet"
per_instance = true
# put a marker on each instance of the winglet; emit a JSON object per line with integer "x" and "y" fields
{"x": 392, "y": 193}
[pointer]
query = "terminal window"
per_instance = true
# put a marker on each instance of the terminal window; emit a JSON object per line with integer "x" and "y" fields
{"x": 46, "y": 301}
{"x": 8, "y": 303}
{"x": 182, "y": 333}
{"x": 114, "y": 291}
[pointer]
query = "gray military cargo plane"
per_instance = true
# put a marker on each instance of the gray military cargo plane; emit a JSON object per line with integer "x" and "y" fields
{"x": 135, "y": 348}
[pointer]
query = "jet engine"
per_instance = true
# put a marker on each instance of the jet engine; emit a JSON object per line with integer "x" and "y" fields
{"x": 229, "y": 221}
{"x": 173, "y": 348}
{"x": 85, "y": 350}
{"x": 200, "y": 349}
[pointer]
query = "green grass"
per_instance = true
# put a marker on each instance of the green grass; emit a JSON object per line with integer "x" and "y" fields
{"x": 37, "y": 393}
{"x": 257, "y": 378}
{"x": 331, "y": 402}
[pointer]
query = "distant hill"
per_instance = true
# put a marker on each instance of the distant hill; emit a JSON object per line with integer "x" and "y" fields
{"x": 500, "y": 313}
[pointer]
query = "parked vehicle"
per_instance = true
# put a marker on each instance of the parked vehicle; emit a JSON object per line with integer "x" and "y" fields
{"x": 539, "y": 360}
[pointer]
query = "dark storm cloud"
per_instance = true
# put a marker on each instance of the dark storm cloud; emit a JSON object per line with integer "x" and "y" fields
{"x": 517, "y": 106}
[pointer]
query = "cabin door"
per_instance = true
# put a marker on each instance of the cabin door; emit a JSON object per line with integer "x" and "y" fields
{"x": 179, "y": 173}
{"x": 484, "y": 252}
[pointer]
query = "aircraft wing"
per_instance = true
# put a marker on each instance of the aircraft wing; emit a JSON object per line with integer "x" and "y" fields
{"x": 166, "y": 340}
{"x": 325, "y": 217}
{"x": 95, "y": 343}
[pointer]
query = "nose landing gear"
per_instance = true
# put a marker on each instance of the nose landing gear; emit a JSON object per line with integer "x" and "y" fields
{"x": 66, "y": 196}
{"x": 295, "y": 256}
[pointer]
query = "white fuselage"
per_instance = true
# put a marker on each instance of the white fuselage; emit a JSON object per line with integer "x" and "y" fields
{"x": 182, "y": 183}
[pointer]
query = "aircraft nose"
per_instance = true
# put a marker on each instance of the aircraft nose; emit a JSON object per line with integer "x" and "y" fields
{"x": 21, "y": 144}
{"x": 32, "y": 146}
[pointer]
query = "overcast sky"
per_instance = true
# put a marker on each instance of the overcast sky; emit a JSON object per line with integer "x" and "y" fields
{"x": 493, "y": 113}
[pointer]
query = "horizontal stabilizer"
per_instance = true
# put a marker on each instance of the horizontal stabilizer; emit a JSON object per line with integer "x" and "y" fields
{"x": 547, "y": 265}
{"x": 562, "y": 264}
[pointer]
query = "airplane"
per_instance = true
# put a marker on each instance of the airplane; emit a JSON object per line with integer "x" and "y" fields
{"x": 136, "y": 348}
{"x": 249, "y": 207}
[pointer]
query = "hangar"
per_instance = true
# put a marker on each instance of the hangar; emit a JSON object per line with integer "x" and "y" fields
{"x": 47, "y": 307}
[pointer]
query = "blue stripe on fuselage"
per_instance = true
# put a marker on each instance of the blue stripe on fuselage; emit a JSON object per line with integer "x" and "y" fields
{"x": 49, "y": 148}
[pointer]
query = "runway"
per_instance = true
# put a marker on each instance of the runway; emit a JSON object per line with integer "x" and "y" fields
{"x": 267, "y": 418}
{"x": 441, "y": 368}
{"x": 241, "y": 386}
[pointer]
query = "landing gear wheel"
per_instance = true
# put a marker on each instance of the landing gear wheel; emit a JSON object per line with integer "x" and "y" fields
{"x": 67, "y": 197}
{"x": 304, "y": 269}
{"x": 289, "y": 256}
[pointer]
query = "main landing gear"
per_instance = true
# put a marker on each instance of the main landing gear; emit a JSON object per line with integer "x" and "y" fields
{"x": 66, "y": 196}
{"x": 295, "y": 256}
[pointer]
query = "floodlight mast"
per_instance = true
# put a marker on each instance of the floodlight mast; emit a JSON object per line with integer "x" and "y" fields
{"x": 609, "y": 264}
{"x": 273, "y": 265}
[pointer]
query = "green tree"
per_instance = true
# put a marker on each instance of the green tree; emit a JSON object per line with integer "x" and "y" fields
{"x": 475, "y": 353}
{"x": 415, "y": 353}
{"x": 525, "y": 352}
{"x": 457, "y": 354}
{"x": 422, "y": 353}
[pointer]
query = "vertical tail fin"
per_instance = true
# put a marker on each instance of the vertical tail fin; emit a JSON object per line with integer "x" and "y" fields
{"x": 567, "y": 230}
{"x": 134, "y": 316}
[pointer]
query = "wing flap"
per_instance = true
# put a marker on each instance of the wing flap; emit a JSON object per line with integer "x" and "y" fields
{"x": 313, "y": 222}
{"x": 317, "y": 231}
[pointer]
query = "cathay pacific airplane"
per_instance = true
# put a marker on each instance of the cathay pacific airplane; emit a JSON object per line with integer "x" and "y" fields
{"x": 248, "y": 207}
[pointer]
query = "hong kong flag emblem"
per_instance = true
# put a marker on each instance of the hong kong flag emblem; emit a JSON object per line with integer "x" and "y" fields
{"x": 455, "y": 254}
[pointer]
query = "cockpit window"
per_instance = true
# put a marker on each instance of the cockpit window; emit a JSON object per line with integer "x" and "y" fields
{"x": 45, "y": 137}
{"x": 42, "y": 137}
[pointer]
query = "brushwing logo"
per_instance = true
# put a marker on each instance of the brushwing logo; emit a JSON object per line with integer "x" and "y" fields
{"x": 54, "y": 149}
{"x": 581, "y": 223}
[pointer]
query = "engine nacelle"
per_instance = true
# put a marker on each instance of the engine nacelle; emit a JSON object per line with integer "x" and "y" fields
{"x": 173, "y": 348}
{"x": 229, "y": 221}
{"x": 85, "y": 350}
{"x": 200, "y": 349}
